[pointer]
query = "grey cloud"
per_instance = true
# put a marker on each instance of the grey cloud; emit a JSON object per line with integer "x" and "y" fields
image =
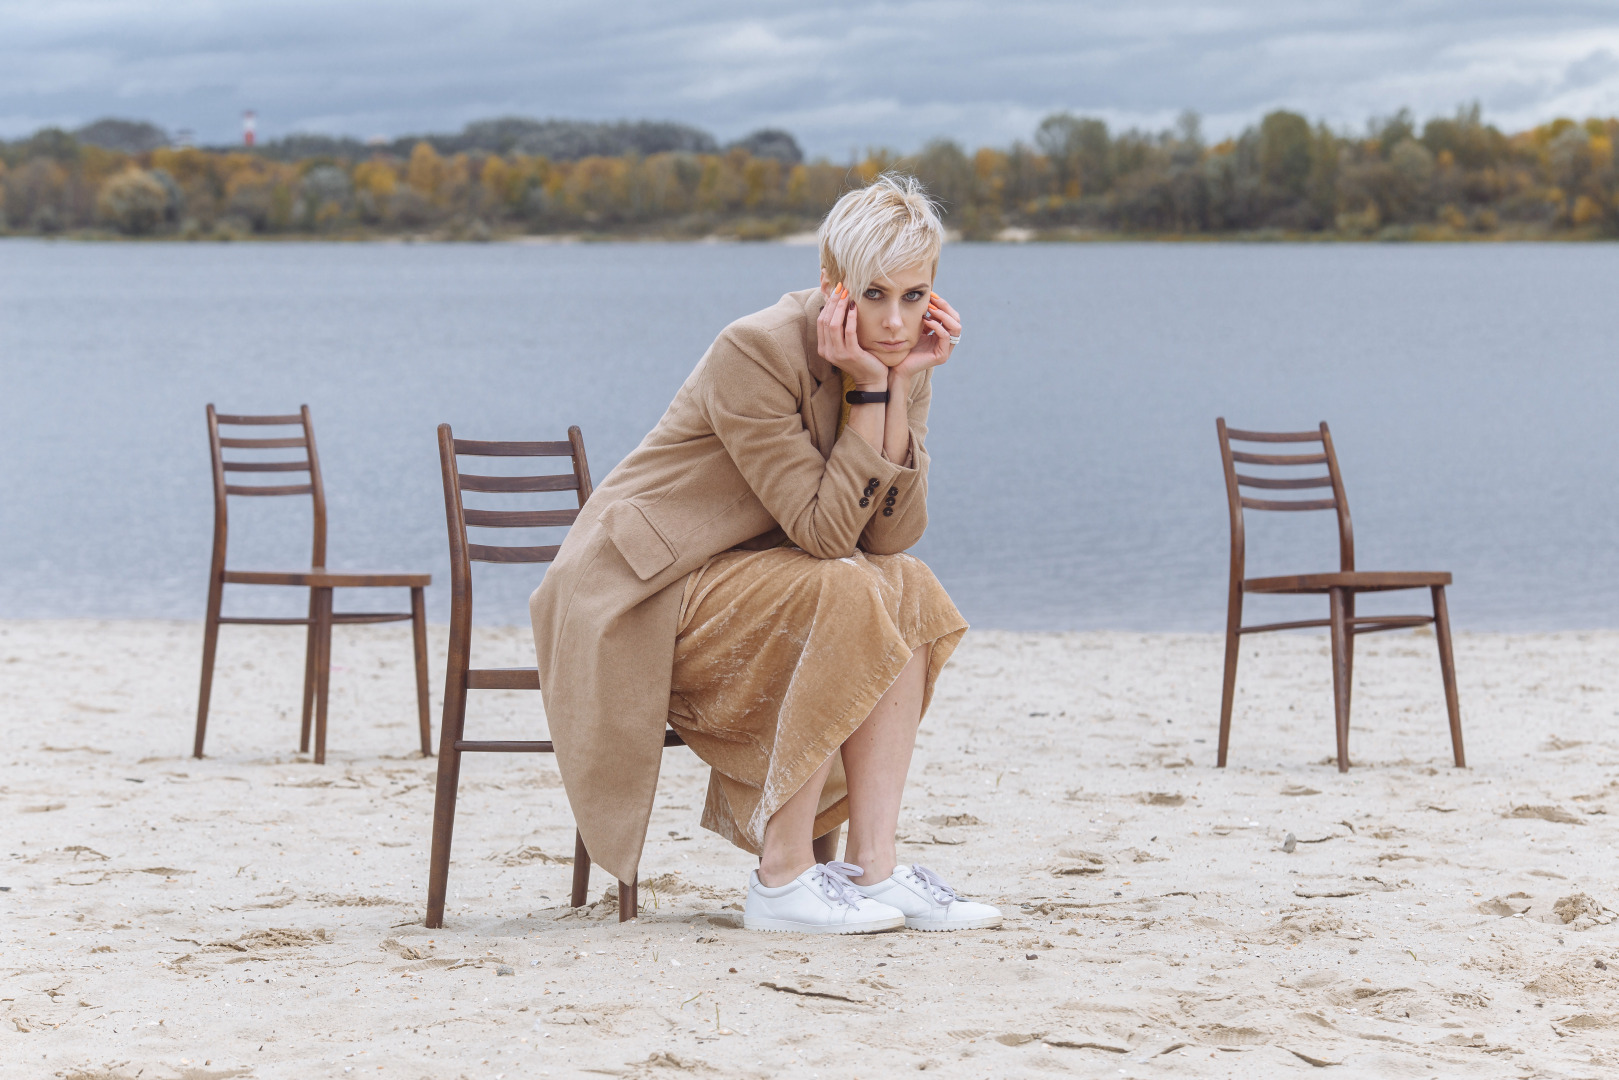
{"x": 1596, "y": 68}
{"x": 838, "y": 74}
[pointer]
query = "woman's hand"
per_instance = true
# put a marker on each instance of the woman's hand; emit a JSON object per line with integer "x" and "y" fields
{"x": 934, "y": 347}
{"x": 839, "y": 345}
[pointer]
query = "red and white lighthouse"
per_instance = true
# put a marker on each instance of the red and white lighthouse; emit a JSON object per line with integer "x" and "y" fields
{"x": 250, "y": 122}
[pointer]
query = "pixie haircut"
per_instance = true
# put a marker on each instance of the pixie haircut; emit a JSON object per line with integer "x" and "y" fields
{"x": 889, "y": 225}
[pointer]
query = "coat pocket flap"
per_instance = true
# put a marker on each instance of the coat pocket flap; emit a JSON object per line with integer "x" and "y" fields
{"x": 647, "y": 552}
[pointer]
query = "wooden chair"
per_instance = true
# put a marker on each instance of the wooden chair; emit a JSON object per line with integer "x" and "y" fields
{"x": 1341, "y": 587}
{"x": 461, "y": 676}
{"x": 317, "y": 579}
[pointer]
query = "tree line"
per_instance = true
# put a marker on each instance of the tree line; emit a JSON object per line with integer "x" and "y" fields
{"x": 1451, "y": 177}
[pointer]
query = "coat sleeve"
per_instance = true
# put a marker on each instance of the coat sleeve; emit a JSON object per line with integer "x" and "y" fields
{"x": 907, "y": 493}
{"x": 756, "y": 415}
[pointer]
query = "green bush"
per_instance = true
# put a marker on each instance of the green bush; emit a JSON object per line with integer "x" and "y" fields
{"x": 134, "y": 202}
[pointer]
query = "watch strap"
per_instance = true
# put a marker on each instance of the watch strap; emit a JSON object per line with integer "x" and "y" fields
{"x": 866, "y": 397}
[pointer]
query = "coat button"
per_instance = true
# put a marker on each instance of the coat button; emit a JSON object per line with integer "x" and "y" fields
{"x": 888, "y": 511}
{"x": 893, "y": 491}
{"x": 872, "y": 483}
{"x": 864, "y": 501}
{"x": 889, "y": 501}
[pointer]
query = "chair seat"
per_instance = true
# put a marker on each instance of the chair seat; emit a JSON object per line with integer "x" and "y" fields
{"x": 318, "y": 577}
{"x": 1358, "y": 580}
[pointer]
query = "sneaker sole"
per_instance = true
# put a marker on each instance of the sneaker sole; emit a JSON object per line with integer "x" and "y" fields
{"x": 784, "y": 926}
{"x": 928, "y": 926}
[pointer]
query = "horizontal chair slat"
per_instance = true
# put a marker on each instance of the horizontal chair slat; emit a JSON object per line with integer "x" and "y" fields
{"x": 520, "y": 519}
{"x": 1284, "y": 485}
{"x": 1300, "y": 625}
{"x": 479, "y": 448}
{"x": 519, "y": 483}
{"x": 274, "y": 489}
{"x": 1278, "y": 459}
{"x": 261, "y": 444}
{"x": 1379, "y": 623}
{"x": 266, "y": 466}
{"x": 512, "y": 678}
{"x": 249, "y": 620}
{"x": 1272, "y": 436}
{"x": 350, "y": 617}
{"x": 1373, "y": 623}
{"x": 488, "y": 553}
{"x": 1300, "y": 504}
{"x": 225, "y": 418}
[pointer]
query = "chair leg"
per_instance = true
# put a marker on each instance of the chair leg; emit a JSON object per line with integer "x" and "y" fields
{"x": 1447, "y": 670}
{"x": 826, "y": 847}
{"x": 418, "y": 626}
{"x": 311, "y": 639}
{"x": 1340, "y": 677}
{"x": 1349, "y": 653}
{"x": 449, "y": 778}
{"x": 629, "y": 900}
{"x": 210, "y": 643}
{"x": 1228, "y": 692}
{"x": 323, "y": 668}
{"x": 581, "y": 871}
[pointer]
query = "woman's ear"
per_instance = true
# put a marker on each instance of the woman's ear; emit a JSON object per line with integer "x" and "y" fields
{"x": 826, "y": 284}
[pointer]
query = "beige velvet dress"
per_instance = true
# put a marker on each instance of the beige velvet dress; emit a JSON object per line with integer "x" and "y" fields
{"x": 780, "y": 656}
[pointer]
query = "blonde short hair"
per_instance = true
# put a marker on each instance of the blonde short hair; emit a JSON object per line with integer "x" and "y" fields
{"x": 889, "y": 225}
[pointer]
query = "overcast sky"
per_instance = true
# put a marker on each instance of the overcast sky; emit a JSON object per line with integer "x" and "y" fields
{"x": 837, "y": 75}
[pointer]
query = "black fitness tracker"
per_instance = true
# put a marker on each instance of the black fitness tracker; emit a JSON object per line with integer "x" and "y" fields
{"x": 866, "y": 397}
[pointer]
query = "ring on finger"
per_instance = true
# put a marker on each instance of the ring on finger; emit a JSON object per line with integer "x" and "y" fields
{"x": 955, "y": 339}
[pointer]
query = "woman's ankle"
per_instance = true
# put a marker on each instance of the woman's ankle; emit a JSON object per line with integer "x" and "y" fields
{"x": 776, "y": 872}
{"x": 876, "y": 866}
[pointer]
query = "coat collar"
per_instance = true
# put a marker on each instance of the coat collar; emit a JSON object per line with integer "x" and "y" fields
{"x": 812, "y": 302}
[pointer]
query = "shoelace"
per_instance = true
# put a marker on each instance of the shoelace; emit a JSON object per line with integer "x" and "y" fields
{"x": 834, "y": 878}
{"x": 942, "y": 893}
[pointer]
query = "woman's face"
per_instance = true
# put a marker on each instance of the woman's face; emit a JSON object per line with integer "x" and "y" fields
{"x": 889, "y": 313}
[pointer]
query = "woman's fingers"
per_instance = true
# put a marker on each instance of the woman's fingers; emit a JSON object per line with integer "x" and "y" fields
{"x": 949, "y": 320}
{"x": 940, "y": 307}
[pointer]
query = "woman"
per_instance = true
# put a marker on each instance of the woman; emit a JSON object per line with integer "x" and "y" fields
{"x": 741, "y": 576}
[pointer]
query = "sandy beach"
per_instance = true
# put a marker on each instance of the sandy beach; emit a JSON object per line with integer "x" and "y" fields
{"x": 254, "y": 915}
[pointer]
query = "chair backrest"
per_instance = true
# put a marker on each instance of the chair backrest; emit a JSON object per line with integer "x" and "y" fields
{"x": 310, "y": 463}
{"x": 1235, "y": 482}
{"x": 463, "y": 553}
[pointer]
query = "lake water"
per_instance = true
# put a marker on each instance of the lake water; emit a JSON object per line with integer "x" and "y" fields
{"x": 1471, "y": 391}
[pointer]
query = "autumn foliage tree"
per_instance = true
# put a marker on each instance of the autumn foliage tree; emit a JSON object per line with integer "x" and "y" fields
{"x": 1451, "y": 176}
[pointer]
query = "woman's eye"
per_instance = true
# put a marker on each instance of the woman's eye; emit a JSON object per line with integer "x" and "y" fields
{"x": 873, "y": 294}
{"x": 913, "y": 296}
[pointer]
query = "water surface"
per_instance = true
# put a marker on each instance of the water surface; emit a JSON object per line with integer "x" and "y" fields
{"x": 1076, "y": 478}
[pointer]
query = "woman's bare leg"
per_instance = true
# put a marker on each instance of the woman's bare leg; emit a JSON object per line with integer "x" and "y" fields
{"x": 875, "y": 760}
{"x": 789, "y": 848}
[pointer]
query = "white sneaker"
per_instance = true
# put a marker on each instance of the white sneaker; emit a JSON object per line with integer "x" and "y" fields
{"x": 821, "y": 900}
{"x": 928, "y": 903}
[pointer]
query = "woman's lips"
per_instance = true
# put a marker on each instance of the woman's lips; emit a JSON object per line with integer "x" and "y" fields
{"x": 892, "y": 344}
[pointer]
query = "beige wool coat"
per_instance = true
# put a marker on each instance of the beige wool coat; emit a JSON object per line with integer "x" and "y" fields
{"x": 748, "y": 454}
